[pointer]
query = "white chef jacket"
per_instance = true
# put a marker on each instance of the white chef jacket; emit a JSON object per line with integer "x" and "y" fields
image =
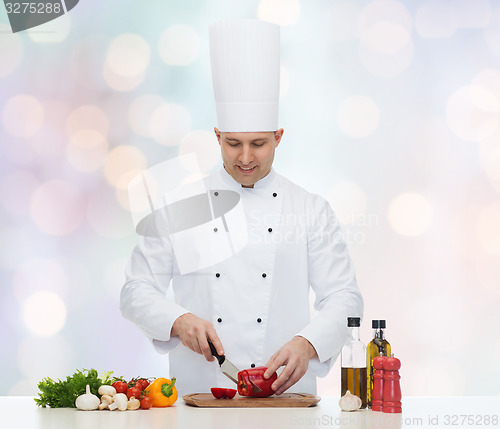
{"x": 258, "y": 299}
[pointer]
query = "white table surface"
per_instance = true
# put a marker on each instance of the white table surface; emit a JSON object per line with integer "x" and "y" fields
{"x": 418, "y": 412}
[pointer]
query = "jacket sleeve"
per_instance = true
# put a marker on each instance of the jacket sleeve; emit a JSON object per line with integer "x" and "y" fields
{"x": 331, "y": 276}
{"x": 143, "y": 298}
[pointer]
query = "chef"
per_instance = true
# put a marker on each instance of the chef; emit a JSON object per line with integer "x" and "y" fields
{"x": 254, "y": 304}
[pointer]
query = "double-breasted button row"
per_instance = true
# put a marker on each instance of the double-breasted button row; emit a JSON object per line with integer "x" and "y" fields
{"x": 270, "y": 229}
{"x": 264, "y": 275}
{"x": 258, "y": 320}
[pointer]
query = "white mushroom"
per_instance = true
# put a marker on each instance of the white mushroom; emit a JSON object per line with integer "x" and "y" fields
{"x": 88, "y": 401}
{"x": 106, "y": 400}
{"x": 120, "y": 401}
{"x": 133, "y": 404}
{"x": 106, "y": 389}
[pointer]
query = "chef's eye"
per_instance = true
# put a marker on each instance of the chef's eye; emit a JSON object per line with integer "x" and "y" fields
{"x": 258, "y": 144}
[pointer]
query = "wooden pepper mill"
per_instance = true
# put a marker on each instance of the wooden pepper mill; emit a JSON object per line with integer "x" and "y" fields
{"x": 378, "y": 383}
{"x": 391, "y": 388}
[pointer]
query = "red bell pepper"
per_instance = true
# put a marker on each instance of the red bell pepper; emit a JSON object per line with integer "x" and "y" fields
{"x": 221, "y": 393}
{"x": 255, "y": 376}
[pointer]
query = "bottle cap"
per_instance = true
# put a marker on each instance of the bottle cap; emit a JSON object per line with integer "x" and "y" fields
{"x": 378, "y": 324}
{"x": 353, "y": 322}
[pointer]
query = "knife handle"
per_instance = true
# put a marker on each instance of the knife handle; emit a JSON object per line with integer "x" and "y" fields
{"x": 222, "y": 358}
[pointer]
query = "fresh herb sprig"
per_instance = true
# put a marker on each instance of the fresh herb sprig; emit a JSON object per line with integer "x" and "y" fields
{"x": 60, "y": 394}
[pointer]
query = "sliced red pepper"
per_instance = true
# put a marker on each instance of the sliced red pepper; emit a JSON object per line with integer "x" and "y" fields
{"x": 221, "y": 393}
{"x": 255, "y": 376}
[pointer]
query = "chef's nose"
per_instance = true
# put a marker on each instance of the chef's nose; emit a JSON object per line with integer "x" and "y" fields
{"x": 246, "y": 155}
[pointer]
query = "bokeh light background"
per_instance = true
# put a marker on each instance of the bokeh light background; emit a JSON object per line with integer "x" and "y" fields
{"x": 391, "y": 110}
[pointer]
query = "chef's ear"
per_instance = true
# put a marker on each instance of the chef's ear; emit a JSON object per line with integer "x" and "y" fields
{"x": 217, "y": 134}
{"x": 277, "y": 136}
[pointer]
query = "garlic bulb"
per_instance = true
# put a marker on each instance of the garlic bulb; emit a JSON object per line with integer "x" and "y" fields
{"x": 349, "y": 402}
{"x": 87, "y": 401}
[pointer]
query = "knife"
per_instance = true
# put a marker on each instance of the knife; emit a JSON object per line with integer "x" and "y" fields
{"x": 227, "y": 368}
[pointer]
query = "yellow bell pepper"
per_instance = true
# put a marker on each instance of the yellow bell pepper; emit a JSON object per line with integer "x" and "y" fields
{"x": 162, "y": 392}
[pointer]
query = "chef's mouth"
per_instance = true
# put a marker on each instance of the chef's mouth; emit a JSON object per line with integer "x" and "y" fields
{"x": 246, "y": 170}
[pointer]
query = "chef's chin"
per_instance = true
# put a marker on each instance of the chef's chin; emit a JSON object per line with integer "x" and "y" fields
{"x": 244, "y": 179}
{"x": 245, "y": 182}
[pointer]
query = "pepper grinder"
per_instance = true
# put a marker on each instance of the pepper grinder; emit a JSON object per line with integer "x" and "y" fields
{"x": 391, "y": 388}
{"x": 378, "y": 383}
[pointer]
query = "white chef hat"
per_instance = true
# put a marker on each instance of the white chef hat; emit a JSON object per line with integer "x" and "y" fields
{"x": 245, "y": 58}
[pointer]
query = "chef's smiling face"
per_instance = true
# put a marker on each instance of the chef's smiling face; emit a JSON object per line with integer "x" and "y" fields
{"x": 248, "y": 157}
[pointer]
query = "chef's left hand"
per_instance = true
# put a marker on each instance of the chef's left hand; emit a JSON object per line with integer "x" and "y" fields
{"x": 295, "y": 356}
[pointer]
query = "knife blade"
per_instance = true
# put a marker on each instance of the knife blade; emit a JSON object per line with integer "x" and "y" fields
{"x": 227, "y": 368}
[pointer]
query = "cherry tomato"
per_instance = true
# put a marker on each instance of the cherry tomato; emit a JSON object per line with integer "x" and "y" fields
{"x": 143, "y": 383}
{"x": 134, "y": 391}
{"x": 120, "y": 386}
{"x": 221, "y": 393}
{"x": 146, "y": 403}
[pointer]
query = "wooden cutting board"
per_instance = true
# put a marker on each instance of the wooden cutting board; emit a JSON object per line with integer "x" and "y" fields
{"x": 284, "y": 400}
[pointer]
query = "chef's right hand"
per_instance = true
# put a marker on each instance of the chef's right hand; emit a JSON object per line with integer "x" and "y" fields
{"x": 194, "y": 333}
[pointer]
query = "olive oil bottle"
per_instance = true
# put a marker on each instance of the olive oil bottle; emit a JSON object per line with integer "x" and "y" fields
{"x": 353, "y": 363}
{"x": 379, "y": 346}
{"x": 354, "y": 380}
